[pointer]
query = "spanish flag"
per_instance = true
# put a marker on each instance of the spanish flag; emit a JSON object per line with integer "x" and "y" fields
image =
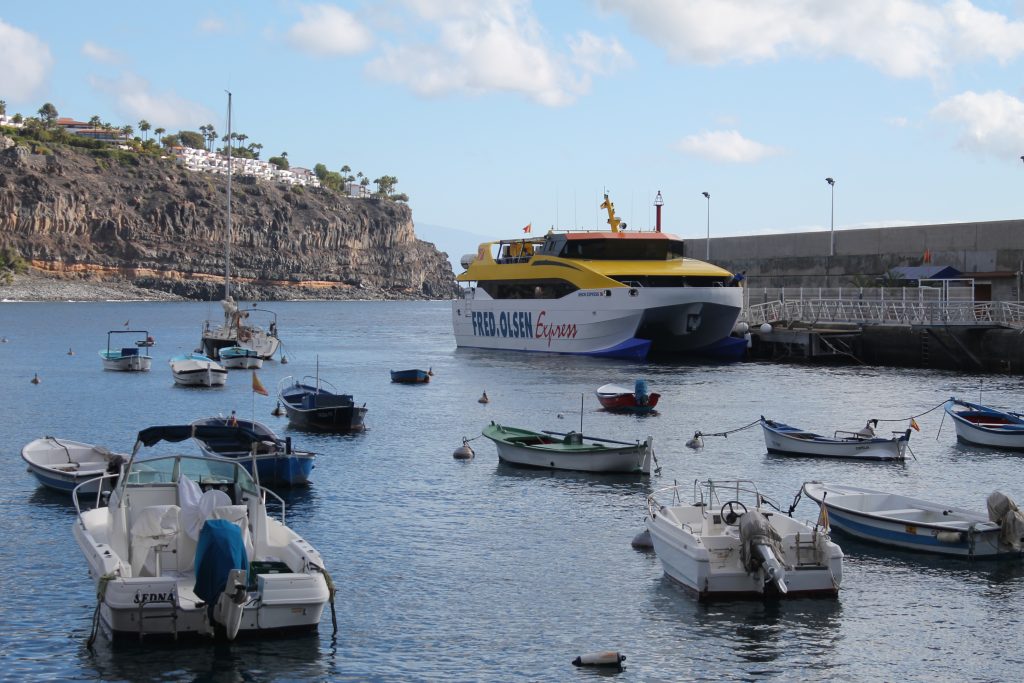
{"x": 913, "y": 423}
{"x": 528, "y": 228}
{"x": 257, "y": 385}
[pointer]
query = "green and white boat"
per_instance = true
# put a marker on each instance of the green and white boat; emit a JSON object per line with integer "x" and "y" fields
{"x": 572, "y": 451}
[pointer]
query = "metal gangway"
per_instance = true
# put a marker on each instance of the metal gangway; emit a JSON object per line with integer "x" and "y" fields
{"x": 924, "y": 305}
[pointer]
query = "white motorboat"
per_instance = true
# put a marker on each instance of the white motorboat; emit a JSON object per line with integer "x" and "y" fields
{"x": 239, "y": 358}
{"x": 556, "y": 451}
{"x": 61, "y": 464}
{"x": 733, "y": 542}
{"x": 197, "y": 370}
{"x": 185, "y": 545}
{"x": 985, "y": 425}
{"x": 133, "y": 358}
{"x": 781, "y": 439}
{"x": 905, "y": 522}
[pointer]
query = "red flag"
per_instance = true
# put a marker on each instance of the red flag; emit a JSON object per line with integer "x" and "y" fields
{"x": 257, "y": 385}
{"x": 927, "y": 256}
{"x": 913, "y": 423}
{"x": 529, "y": 226}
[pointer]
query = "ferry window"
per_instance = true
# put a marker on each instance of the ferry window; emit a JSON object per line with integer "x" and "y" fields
{"x": 624, "y": 250}
{"x": 532, "y": 289}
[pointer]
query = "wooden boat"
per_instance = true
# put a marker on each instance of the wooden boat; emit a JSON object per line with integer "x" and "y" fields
{"x": 552, "y": 450}
{"x": 618, "y": 399}
{"x": 128, "y": 358}
{"x": 185, "y": 545}
{"x": 410, "y": 376}
{"x": 781, "y": 439}
{"x": 732, "y": 542}
{"x": 986, "y": 426}
{"x": 310, "y": 405}
{"x": 240, "y": 358}
{"x": 197, "y": 370}
{"x": 61, "y": 464}
{"x": 276, "y": 460}
{"x": 926, "y": 526}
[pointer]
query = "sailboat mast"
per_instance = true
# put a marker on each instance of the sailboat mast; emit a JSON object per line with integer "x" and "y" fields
{"x": 227, "y": 247}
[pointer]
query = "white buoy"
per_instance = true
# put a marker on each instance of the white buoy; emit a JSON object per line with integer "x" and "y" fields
{"x": 741, "y": 328}
{"x": 463, "y": 452}
{"x": 560, "y": 416}
{"x": 766, "y": 328}
{"x": 606, "y": 658}
{"x": 642, "y": 540}
{"x": 483, "y": 399}
{"x": 696, "y": 442}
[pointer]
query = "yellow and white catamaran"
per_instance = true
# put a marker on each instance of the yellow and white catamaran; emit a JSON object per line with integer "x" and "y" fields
{"x": 603, "y": 293}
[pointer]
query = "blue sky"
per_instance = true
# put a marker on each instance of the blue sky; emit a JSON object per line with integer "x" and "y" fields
{"x": 497, "y": 114}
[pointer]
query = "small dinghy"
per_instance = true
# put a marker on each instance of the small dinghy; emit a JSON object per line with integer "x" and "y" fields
{"x": 410, "y": 376}
{"x": 986, "y": 426}
{"x": 618, "y": 399}
{"x": 61, "y": 465}
{"x": 781, "y": 439}
{"x": 239, "y": 358}
{"x": 732, "y": 542}
{"x": 571, "y": 451}
{"x": 314, "y": 404}
{"x": 197, "y": 370}
{"x": 926, "y": 526}
{"x": 128, "y": 358}
{"x": 185, "y": 546}
{"x": 235, "y": 439}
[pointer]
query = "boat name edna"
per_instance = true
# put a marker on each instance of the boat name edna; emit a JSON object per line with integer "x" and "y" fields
{"x": 519, "y": 324}
{"x": 141, "y": 597}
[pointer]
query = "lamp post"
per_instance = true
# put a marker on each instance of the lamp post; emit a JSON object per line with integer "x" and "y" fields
{"x": 832, "y": 229}
{"x": 707, "y": 196}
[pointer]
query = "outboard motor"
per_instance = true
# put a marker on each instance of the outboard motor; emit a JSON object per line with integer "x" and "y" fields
{"x": 641, "y": 392}
{"x": 759, "y": 549}
{"x": 1003, "y": 511}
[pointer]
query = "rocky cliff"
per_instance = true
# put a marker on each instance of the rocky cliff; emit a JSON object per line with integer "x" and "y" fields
{"x": 144, "y": 219}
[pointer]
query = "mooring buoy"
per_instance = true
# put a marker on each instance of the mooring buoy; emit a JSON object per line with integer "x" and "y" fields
{"x": 463, "y": 452}
{"x": 606, "y": 658}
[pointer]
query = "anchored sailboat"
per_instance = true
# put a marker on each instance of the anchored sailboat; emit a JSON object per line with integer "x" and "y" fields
{"x": 237, "y": 329}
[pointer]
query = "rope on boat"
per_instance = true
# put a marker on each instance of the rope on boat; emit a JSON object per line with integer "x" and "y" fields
{"x": 904, "y": 419}
{"x": 331, "y": 592}
{"x": 101, "y": 593}
{"x": 699, "y": 434}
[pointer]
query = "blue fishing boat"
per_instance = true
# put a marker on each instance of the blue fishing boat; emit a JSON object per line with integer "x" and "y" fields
{"x": 410, "y": 376}
{"x": 986, "y": 426}
{"x": 314, "y": 404}
{"x": 276, "y": 460}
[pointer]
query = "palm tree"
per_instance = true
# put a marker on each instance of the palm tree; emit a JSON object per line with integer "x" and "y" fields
{"x": 127, "y": 132}
{"x": 144, "y": 127}
{"x": 3, "y": 107}
{"x": 211, "y": 135}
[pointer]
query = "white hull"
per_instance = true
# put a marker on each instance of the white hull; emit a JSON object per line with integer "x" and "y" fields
{"x": 61, "y": 465}
{"x": 242, "y": 363}
{"x": 780, "y": 444}
{"x": 128, "y": 363}
{"x": 701, "y": 553}
{"x": 195, "y": 373}
{"x": 599, "y": 322}
{"x": 908, "y": 523}
{"x": 262, "y": 343}
{"x": 965, "y": 431}
{"x": 630, "y": 459}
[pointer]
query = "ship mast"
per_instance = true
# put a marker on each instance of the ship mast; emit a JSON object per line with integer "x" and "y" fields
{"x": 613, "y": 221}
{"x": 227, "y": 247}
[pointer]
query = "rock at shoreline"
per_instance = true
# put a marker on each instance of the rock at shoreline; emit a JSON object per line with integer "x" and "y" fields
{"x": 32, "y": 287}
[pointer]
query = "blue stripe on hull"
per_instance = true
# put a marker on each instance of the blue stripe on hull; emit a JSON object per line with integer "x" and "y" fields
{"x": 287, "y": 470}
{"x": 925, "y": 542}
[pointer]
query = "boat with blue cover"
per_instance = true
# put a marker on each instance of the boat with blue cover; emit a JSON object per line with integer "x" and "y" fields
{"x": 410, "y": 376}
{"x": 196, "y": 370}
{"x": 314, "y": 404}
{"x": 618, "y": 399}
{"x": 133, "y": 358}
{"x": 276, "y": 460}
{"x": 986, "y": 426}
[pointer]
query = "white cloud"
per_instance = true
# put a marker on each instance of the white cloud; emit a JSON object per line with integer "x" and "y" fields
{"x": 326, "y": 30}
{"x": 211, "y": 25}
{"x": 25, "y": 62}
{"x": 898, "y": 121}
{"x": 497, "y": 46}
{"x": 902, "y": 38}
{"x": 726, "y": 146}
{"x": 98, "y": 53}
{"x": 991, "y": 123}
{"x": 166, "y": 110}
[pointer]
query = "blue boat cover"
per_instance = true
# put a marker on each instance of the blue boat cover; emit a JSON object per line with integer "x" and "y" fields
{"x": 219, "y": 550}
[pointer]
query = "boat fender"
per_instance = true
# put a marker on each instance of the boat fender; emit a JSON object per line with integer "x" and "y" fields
{"x": 766, "y": 328}
{"x": 607, "y": 658}
{"x": 463, "y": 452}
{"x": 696, "y": 442}
{"x": 642, "y": 541}
{"x": 949, "y": 537}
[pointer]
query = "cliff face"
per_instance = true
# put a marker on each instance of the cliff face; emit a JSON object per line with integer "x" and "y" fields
{"x": 157, "y": 225}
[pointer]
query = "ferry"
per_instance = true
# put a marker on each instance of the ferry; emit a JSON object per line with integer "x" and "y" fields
{"x": 601, "y": 293}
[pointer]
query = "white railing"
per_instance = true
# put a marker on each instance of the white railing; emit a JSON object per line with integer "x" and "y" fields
{"x": 887, "y": 312}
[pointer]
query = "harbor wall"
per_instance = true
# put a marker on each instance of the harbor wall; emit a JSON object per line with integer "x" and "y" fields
{"x": 991, "y": 252}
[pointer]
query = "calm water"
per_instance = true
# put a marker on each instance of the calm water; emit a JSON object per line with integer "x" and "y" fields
{"x": 473, "y": 571}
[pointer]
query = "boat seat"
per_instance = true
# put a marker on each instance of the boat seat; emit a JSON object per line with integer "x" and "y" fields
{"x": 152, "y": 532}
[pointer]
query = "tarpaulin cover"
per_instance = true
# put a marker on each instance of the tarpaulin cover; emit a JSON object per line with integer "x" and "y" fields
{"x": 219, "y": 550}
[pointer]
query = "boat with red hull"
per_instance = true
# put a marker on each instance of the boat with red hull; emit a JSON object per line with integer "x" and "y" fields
{"x": 619, "y": 399}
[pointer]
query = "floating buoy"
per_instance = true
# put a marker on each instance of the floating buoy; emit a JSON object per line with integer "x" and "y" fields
{"x": 484, "y": 399}
{"x": 766, "y": 329}
{"x": 741, "y": 328}
{"x": 463, "y": 452}
{"x": 560, "y": 416}
{"x": 277, "y": 411}
{"x": 35, "y": 379}
{"x": 70, "y": 352}
{"x": 607, "y": 658}
{"x": 642, "y": 540}
{"x": 3, "y": 340}
{"x": 430, "y": 371}
{"x": 284, "y": 360}
{"x": 696, "y": 442}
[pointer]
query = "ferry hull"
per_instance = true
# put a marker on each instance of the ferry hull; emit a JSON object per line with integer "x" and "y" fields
{"x": 619, "y": 322}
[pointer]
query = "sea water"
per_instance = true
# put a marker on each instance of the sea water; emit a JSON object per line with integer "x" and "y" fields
{"x": 471, "y": 570}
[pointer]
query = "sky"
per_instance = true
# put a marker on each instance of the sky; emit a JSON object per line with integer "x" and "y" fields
{"x": 498, "y": 114}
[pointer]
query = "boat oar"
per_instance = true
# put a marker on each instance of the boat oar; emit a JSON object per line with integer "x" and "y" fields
{"x": 592, "y": 438}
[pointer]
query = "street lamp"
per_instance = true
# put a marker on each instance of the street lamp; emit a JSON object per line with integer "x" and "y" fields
{"x": 707, "y": 196}
{"x": 832, "y": 230}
